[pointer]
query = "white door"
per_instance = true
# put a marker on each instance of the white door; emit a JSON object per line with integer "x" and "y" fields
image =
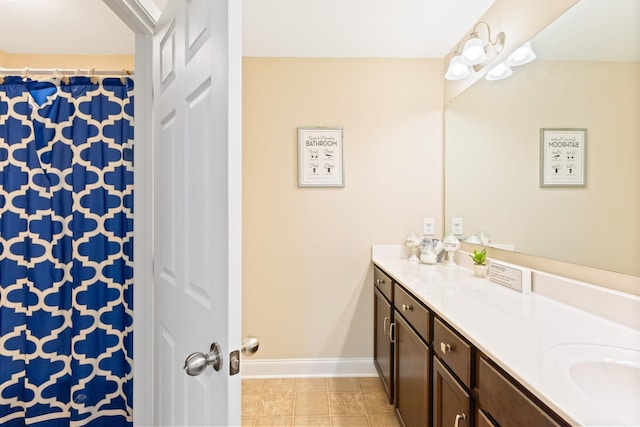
{"x": 197, "y": 208}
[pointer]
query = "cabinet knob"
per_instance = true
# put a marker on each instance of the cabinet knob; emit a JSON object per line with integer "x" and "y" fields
{"x": 445, "y": 348}
{"x": 406, "y": 307}
{"x": 459, "y": 417}
{"x": 379, "y": 281}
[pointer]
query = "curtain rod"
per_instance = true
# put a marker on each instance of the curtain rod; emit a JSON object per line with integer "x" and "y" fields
{"x": 65, "y": 72}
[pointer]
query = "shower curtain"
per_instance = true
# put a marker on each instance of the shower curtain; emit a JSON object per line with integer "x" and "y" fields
{"x": 66, "y": 252}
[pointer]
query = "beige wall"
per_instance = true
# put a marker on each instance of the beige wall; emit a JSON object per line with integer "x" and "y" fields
{"x": 306, "y": 251}
{"x": 110, "y": 62}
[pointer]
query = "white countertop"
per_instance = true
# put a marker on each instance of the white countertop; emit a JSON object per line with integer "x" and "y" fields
{"x": 536, "y": 339}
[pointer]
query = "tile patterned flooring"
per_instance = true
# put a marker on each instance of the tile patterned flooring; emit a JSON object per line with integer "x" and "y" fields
{"x": 350, "y": 402}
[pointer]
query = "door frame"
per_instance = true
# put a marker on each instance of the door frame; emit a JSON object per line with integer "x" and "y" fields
{"x": 141, "y": 17}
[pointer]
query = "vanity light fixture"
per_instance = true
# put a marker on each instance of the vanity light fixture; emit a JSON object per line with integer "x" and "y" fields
{"x": 473, "y": 52}
{"x": 476, "y": 52}
{"x": 523, "y": 55}
{"x": 499, "y": 72}
{"x": 456, "y": 70}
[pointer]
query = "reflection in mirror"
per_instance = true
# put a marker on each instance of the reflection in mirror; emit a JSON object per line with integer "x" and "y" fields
{"x": 492, "y": 143}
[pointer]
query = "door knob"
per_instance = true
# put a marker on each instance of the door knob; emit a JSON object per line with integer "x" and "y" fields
{"x": 250, "y": 345}
{"x": 196, "y": 363}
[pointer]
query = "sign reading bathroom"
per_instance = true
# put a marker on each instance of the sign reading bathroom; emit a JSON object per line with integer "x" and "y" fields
{"x": 320, "y": 157}
{"x": 563, "y": 157}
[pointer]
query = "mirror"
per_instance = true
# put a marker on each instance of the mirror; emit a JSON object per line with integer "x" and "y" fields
{"x": 586, "y": 75}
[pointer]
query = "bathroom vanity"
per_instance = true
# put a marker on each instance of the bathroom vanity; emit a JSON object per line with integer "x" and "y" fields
{"x": 456, "y": 350}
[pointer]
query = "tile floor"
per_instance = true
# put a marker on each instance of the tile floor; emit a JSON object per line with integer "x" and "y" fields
{"x": 350, "y": 402}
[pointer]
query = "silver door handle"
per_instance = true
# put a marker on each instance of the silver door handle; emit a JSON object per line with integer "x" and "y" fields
{"x": 196, "y": 363}
{"x": 392, "y": 330}
{"x": 459, "y": 417}
{"x": 250, "y": 345}
{"x": 384, "y": 324}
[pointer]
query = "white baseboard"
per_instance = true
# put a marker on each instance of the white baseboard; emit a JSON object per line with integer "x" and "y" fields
{"x": 307, "y": 368}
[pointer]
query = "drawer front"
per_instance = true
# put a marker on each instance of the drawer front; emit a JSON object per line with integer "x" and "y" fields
{"x": 383, "y": 282}
{"x": 453, "y": 351}
{"x": 505, "y": 403}
{"x": 414, "y": 312}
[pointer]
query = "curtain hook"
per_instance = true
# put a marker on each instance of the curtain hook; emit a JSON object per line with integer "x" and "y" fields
{"x": 92, "y": 76}
{"x": 25, "y": 72}
{"x": 122, "y": 77}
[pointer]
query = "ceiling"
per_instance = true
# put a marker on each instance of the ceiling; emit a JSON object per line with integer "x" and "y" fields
{"x": 308, "y": 28}
{"x": 328, "y": 28}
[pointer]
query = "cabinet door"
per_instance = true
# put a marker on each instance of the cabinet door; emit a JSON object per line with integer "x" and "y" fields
{"x": 383, "y": 347}
{"x": 451, "y": 402}
{"x": 413, "y": 365}
{"x": 506, "y": 404}
{"x": 482, "y": 420}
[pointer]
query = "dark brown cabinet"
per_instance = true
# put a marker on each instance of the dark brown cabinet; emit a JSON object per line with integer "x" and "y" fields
{"x": 435, "y": 377}
{"x": 504, "y": 403}
{"x": 383, "y": 347}
{"x": 483, "y": 421}
{"x": 413, "y": 370}
{"x": 451, "y": 401}
{"x": 453, "y": 350}
{"x": 383, "y": 352}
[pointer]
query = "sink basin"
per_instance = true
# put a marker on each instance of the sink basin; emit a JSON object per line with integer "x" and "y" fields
{"x": 605, "y": 381}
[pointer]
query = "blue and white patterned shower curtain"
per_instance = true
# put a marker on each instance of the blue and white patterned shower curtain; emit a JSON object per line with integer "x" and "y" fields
{"x": 66, "y": 252}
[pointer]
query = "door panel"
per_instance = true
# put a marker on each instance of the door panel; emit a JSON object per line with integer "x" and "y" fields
{"x": 413, "y": 371}
{"x": 197, "y": 110}
{"x": 166, "y": 380}
{"x": 383, "y": 347}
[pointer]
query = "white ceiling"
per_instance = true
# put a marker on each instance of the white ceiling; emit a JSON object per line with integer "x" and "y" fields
{"x": 329, "y": 28}
{"x": 324, "y": 28}
{"x": 357, "y": 28}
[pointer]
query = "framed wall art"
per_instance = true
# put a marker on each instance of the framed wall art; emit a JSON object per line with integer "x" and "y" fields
{"x": 320, "y": 157}
{"x": 563, "y": 157}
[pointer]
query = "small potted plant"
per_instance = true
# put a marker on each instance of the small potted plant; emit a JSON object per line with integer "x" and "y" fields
{"x": 479, "y": 262}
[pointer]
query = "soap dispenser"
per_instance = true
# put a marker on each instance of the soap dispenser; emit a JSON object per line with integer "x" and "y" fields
{"x": 428, "y": 254}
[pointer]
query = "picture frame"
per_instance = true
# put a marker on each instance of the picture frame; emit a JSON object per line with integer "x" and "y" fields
{"x": 563, "y": 153}
{"x": 320, "y": 157}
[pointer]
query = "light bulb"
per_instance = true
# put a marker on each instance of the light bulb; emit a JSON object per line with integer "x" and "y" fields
{"x": 473, "y": 52}
{"x": 456, "y": 70}
{"x": 499, "y": 72}
{"x": 522, "y": 55}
